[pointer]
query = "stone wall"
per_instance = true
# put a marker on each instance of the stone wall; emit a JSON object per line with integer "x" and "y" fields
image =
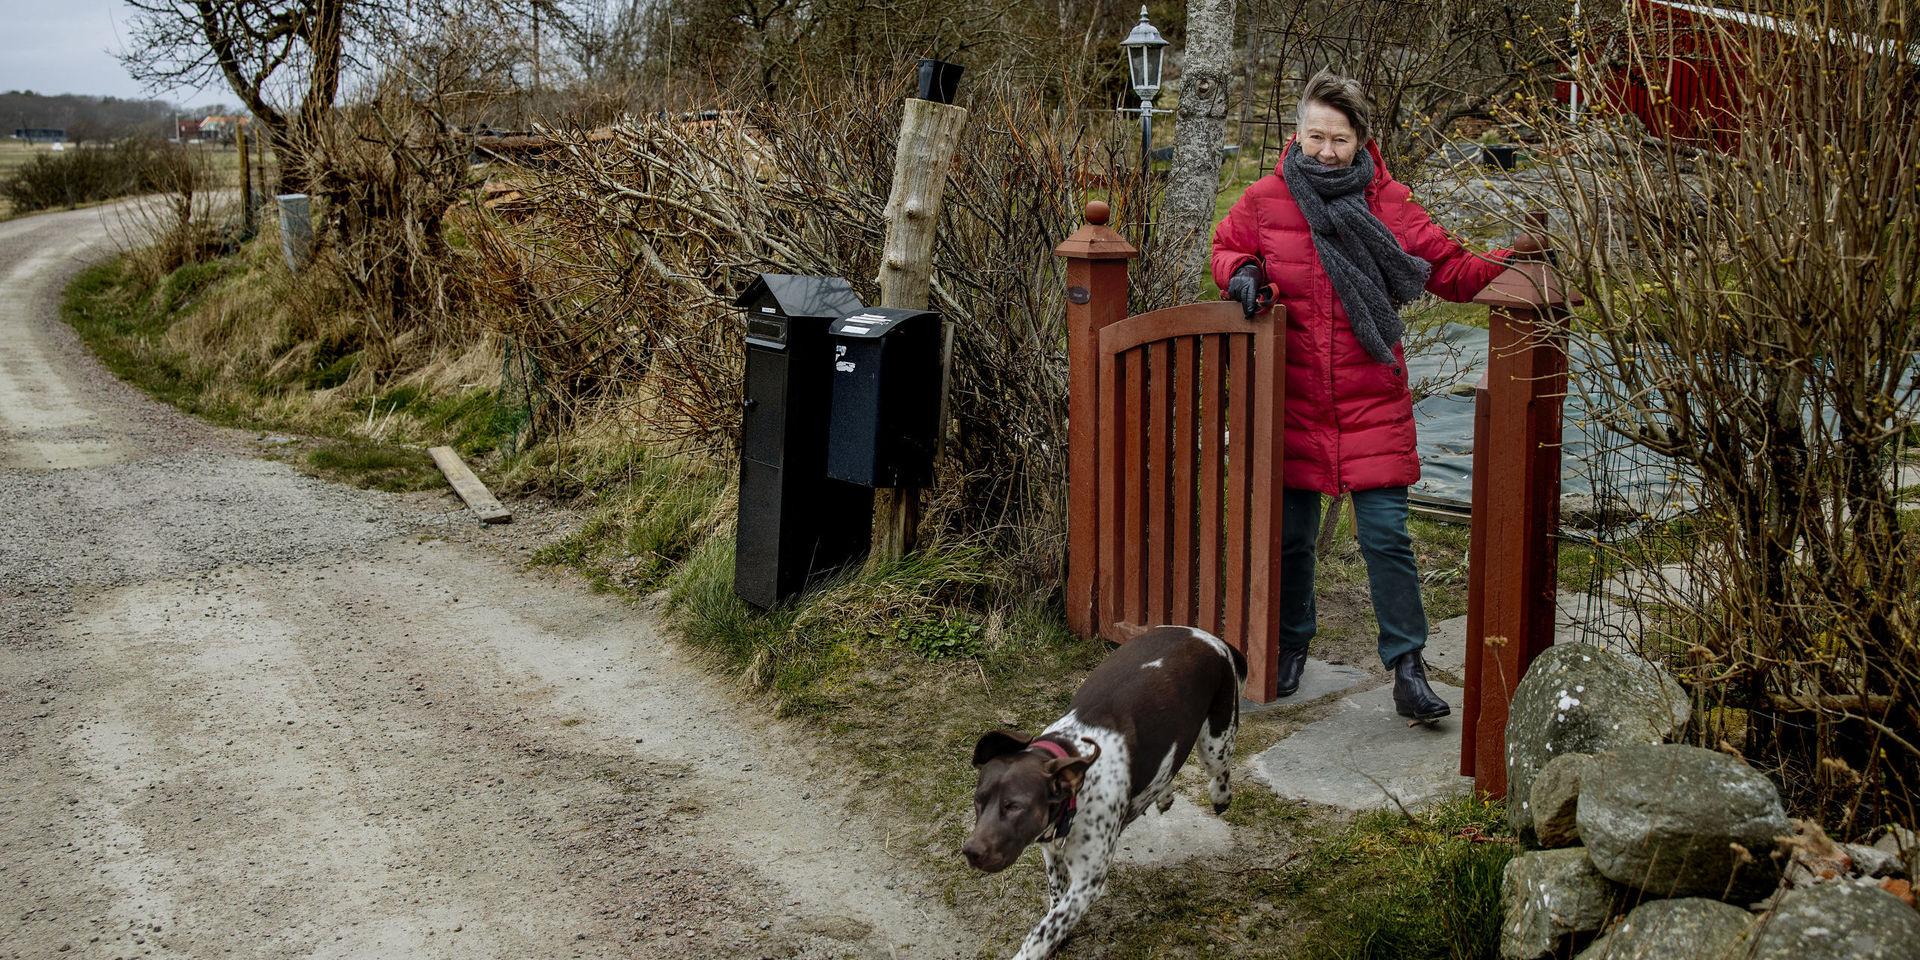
{"x": 1649, "y": 849}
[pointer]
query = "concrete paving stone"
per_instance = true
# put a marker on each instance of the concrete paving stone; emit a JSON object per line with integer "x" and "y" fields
{"x": 1364, "y": 756}
{"x": 1319, "y": 679}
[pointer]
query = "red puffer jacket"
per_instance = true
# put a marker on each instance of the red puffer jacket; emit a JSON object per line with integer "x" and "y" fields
{"x": 1349, "y": 421}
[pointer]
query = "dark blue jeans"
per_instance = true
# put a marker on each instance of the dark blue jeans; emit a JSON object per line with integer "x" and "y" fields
{"x": 1391, "y": 578}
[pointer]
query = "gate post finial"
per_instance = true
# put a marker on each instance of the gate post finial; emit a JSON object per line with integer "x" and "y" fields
{"x": 1096, "y": 296}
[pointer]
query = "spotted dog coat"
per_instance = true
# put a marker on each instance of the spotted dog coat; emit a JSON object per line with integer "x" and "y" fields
{"x": 1129, "y": 729}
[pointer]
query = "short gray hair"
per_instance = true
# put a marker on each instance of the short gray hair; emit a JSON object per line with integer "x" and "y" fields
{"x": 1341, "y": 93}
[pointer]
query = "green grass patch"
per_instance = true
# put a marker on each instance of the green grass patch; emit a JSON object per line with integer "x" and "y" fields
{"x": 377, "y": 466}
{"x": 1420, "y": 887}
{"x": 644, "y": 527}
{"x": 122, "y": 320}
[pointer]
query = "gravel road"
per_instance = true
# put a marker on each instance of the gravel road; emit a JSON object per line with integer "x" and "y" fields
{"x": 247, "y": 713}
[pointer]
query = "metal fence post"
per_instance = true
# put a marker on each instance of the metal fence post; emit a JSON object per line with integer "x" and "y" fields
{"x": 296, "y": 229}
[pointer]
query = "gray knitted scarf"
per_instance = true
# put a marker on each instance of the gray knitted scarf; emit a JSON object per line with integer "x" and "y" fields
{"x": 1373, "y": 277}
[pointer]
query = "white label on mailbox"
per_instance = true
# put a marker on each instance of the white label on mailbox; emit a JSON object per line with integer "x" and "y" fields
{"x": 850, "y": 328}
{"x": 768, "y": 310}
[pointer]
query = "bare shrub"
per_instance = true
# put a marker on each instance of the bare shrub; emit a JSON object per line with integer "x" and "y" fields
{"x": 617, "y": 289}
{"x": 1756, "y": 318}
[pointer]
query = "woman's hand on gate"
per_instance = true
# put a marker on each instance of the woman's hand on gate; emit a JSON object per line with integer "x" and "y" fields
{"x": 1248, "y": 287}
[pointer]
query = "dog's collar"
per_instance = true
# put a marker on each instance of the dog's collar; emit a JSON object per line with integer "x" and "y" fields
{"x": 1063, "y": 820}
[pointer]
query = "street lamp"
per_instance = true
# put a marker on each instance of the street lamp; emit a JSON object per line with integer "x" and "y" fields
{"x": 1145, "y": 46}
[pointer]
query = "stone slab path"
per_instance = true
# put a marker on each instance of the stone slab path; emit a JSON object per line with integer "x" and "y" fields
{"x": 1320, "y": 679}
{"x": 1364, "y": 756}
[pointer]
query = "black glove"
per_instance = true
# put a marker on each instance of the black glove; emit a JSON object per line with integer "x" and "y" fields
{"x": 1249, "y": 287}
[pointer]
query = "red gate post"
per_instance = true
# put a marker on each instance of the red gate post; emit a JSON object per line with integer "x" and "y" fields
{"x": 1512, "y": 561}
{"x": 1096, "y": 297}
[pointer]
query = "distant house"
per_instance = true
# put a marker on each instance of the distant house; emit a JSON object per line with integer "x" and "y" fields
{"x": 1691, "y": 81}
{"x": 40, "y": 134}
{"x": 222, "y": 127}
{"x": 187, "y": 130}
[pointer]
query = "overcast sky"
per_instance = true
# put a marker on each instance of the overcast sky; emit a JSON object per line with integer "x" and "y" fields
{"x": 68, "y": 46}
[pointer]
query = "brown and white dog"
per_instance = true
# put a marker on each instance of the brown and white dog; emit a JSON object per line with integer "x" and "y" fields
{"x": 1077, "y": 786}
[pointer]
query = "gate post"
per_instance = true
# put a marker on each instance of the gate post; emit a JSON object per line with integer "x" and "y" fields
{"x": 1096, "y": 297}
{"x": 1513, "y": 561}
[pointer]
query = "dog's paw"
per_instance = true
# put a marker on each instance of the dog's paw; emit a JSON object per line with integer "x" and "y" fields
{"x": 1222, "y": 806}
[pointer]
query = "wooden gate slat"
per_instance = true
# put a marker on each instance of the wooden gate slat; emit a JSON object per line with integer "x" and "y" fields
{"x": 1112, "y": 453}
{"x": 1212, "y": 462}
{"x": 1159, "y": 471}
{"x": 1133, "y": 483}
{"x": 1239, "y": 479}
{"x": 1186, "y": 452}
{"x": 1263, "y": 588}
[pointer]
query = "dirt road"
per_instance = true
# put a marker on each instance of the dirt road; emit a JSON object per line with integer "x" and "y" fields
{"x": 244, "y": 713}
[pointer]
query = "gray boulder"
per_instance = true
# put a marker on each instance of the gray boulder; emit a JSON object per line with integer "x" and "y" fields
{"x": 1548, "y": 896}
{"x": 1578, "y": 698}
{"x": 1555, "y": 797}
{"x": 1838, "y": 921}
{"x": 1692, "y": 928}
{"x": 1673, "y": 820}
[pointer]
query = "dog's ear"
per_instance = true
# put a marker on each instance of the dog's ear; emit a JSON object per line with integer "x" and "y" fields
{"x": 1069, "y": 772}
{"x": 999, "y": 743}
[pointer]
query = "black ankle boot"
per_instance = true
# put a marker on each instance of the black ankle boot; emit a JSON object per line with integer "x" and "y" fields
{"x": 1292, "y": 662}
{"x": 1412, "y": 697}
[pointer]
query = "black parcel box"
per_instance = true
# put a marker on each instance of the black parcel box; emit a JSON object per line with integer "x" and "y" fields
{"x": 796, "y": 524}
{"x": 886, "y": 397}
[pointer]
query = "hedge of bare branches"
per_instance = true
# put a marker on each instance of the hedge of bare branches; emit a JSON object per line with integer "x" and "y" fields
{"x": 616, "y": 284}
{"x": 1754, "y": 284}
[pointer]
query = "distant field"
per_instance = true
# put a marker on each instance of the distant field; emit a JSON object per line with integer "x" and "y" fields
{"x": 14, "y": 154}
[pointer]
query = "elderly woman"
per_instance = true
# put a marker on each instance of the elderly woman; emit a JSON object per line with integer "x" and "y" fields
{"x": 1343, "y": 246}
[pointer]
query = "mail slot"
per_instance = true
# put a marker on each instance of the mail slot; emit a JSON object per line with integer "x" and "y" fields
{"x": 886, "y": 397}
{"x": 796, "y": 524}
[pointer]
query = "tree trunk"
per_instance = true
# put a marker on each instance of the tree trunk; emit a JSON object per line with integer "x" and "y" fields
{"x": 1206, "y": 67}
{"x": 929, "y": 132}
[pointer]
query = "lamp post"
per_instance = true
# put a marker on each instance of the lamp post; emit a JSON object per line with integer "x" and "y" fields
{"x": 1145, "y": 47}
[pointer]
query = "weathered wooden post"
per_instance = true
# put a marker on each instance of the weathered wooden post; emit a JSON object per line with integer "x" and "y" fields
{"x": 1513, "y": 562}
{"x": 246, "y": 181}
{"x": 1096, "y": 297}
{"x": 929, "y": 131}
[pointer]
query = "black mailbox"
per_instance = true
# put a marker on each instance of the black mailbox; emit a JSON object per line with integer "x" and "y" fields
{"x": 795, "y": 522}
{"x": 886, "y": 397}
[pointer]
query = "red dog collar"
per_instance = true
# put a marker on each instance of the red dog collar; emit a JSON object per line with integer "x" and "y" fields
{"x": 1063, "y": 821}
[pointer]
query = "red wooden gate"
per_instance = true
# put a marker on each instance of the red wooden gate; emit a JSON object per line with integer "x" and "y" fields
{"x": 1174, "y": 476}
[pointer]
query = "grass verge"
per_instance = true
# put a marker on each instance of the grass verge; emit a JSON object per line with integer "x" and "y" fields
{"x": 224, "y": 340}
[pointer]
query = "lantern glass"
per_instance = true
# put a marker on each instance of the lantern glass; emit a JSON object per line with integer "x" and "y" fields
{"x": 1144, "y": 47}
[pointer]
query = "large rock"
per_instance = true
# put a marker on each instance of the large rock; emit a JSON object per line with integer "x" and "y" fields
{"x": 1578, "y": 698}
{"x": 1838, "y": 921}
{"x": 1555, "y": 798}
{"x": 1548, "y": 896}
{"x": 1672, "y": 820}
{"x": 1693, "y": 928}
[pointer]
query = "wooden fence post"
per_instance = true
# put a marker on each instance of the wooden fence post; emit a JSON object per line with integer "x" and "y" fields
{"x": 929, "y": 131}
{"x": 1096, "y": 298}
{"x": 246, "y": 181}
{"x": 1513, "y": 559}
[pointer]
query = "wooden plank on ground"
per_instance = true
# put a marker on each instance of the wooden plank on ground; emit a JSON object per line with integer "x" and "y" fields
{"x": 479, "y": 499}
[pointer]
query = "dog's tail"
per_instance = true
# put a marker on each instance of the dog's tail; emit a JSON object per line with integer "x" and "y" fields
{"x": 1239, "y": 663}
